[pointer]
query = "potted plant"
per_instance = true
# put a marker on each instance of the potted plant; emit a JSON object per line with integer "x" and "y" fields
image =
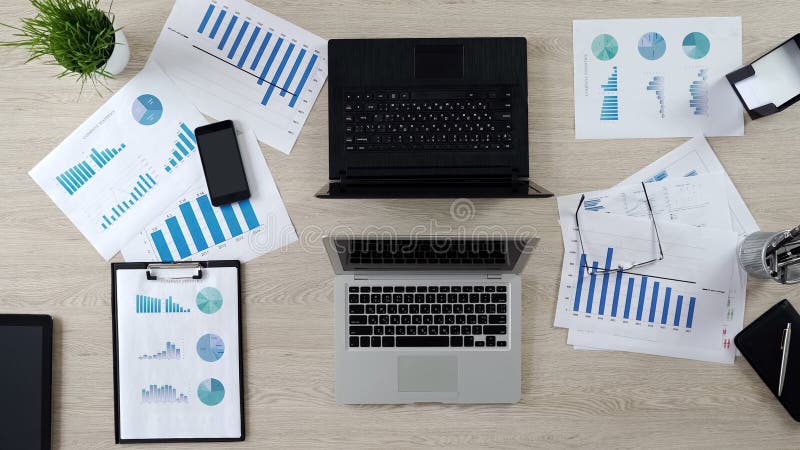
{"x": 78, "y": 35}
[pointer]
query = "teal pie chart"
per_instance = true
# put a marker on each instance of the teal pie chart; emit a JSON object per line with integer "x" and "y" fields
{"x": 605, "y": 47}
{"x": 209, "y": 300}
{"x": 211, "y": 391}
{"x": 696, "y": 45}
{"x": 652, "y": 46}
{"x": 147, "y": 109}
{"x": 210, "y": 347}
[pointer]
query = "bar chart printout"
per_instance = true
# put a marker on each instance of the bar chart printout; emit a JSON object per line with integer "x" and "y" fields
{"x": 197, "y": 225}
{"x": 184, "y": 147}
{"x": 163, "y": 394}
{"x": 252, "y": 66}
{"x": 602, "y": 291}
{"x": 152, "y": 305}
{"x": 170, "y": 352}
{"x": 80, "y": 174}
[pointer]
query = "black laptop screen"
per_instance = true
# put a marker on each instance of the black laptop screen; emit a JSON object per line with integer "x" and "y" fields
{"x": 439, "y": 254}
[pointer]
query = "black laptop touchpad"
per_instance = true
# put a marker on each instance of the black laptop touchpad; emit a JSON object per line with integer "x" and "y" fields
{"x": 438, "y": 61}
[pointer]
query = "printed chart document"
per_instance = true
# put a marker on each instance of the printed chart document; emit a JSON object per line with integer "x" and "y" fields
{"x": 192, "y": 229}
{"x": 236, "y": 61}
{"x": 125, "y": 163}
{"x": 681, "y": 300}
{"x": 699, "y": 200}
{"x": 178, "y": 355}
{"x": 693, "y": 158}
{"x": 640, "y": 78}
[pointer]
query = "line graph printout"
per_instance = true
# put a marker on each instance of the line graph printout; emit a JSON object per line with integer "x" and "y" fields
{"x": 108, "y": 176}
{"x": 680, "y": 301}
{"x": 237, "y": 61}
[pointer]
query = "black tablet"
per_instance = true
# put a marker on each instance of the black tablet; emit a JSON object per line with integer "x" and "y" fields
{"x": 27, "y": 342}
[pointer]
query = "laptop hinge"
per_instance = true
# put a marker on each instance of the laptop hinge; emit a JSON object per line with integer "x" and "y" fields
{"x": 494, "y": 276}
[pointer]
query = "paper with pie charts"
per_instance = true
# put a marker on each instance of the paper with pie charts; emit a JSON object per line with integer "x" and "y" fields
{"x": 178, "y": 355}
{"x": 647, "y": 78}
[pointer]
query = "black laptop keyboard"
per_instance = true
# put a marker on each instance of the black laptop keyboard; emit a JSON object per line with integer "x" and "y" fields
{"x": 427, "y": 316}
{"x": 442, "y": 120}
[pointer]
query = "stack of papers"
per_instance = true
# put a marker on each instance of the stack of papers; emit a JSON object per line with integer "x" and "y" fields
{"x": 688, "y": 303}
{"x": 130, "y": 176}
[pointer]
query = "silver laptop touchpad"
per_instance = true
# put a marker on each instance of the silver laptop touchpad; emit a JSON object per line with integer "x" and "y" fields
{"x": 427, "y": 373}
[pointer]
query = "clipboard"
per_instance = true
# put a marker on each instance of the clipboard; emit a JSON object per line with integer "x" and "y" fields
{"x": 189, "y": 387}
{"x": 760, "y": 343}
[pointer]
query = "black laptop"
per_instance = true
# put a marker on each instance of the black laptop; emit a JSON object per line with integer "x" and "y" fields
{"x": 429, "y": 118}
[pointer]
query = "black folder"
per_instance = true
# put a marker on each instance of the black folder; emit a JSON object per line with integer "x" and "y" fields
{"x": 760, "y": 343}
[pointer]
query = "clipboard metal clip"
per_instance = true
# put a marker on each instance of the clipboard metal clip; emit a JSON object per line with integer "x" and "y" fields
{"x": 182, "y": 265}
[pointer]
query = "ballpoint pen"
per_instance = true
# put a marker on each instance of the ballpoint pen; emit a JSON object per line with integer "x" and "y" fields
{"x": 787, "y": 339}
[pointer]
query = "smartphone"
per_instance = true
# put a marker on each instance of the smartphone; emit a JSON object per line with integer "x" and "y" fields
{"x": 222, "y": 163}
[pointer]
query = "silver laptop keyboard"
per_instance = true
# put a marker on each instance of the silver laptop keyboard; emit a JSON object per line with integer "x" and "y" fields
{"x": 470, "y": 315}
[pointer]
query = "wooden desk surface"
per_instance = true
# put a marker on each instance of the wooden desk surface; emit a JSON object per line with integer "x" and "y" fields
{"x": 569, "y": 399}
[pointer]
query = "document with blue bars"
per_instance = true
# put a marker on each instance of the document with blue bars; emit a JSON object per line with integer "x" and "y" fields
{"x": 126, "y": 162}
{"x": 236, "y": 61}
{"x": 192, "y": 229}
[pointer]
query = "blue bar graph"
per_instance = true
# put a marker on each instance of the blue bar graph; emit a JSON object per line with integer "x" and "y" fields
{"x": 606, "y": 268}
{"x": 690, "y": 313}
{"x": 248, "y": 47}
{"x": 161, "y": 246}
{"x": 299, "y": 89}
{"x": 240, "y": 41}
{"x": 610, "y": 107}
{"x": 657, "y": 85}
{"x": 177, "y": 237}
{"x": 628, "y": 299}
{"x": 665, "y": 310}
{"x": 162, "y": 394}
{"x": 592, "y": 282}
{"x": 211, "y": 219}
{"x": 617, "y": 287}
{"x": 699, "y": 93}
{"x": 206, "y": 17}
{"x": 172, "y": 240}
{"x": 579, "y": 287}
{"x": 231, "y": 220}
{"x": 653, "y": 302}
{"x": 185, "y": 140}
{"x": 227, "y": 34}
{"x": 153, "y": 305}
{"x": 124, "y": 205}
{"x": 642, "y": 290}
{"x": 678, "y": 308}
{"x": 657, "y": 290}
{"x": 171, "y": 351}
{"x": 78, "y": 175}
{"x": 194, "y": 226}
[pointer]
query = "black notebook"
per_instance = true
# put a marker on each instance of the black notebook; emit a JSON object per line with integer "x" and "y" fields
{"x": 760, "y": 343}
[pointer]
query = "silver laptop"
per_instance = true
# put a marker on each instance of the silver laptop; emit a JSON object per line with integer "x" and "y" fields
{"x": 427, "y": 319}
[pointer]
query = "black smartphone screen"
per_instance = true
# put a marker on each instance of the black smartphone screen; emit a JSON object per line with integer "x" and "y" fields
{"x": 222, "y": 163}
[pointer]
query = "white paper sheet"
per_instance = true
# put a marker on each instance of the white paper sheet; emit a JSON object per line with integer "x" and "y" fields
{"x": 178, "y": 356}
{"x": 192, "y": 229}
{"x": 109, "y": 176}
{"x": 697, "y": 157}
{"x": 637, "y": 78}
{"x": 681, "y": 300}
{"x": 699, "y": 200}
{"x": 234, "y": 60}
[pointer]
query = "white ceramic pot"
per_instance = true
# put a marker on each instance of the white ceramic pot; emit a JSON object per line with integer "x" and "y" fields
{"x": 120, "y": 56}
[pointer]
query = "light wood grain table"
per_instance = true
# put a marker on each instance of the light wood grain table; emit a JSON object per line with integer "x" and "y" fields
{"x": 569, "y": 399}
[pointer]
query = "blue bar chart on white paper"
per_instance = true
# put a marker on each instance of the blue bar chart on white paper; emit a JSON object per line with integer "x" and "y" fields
{"x": 252, "y": 66}
{"x": 197, "y": 225}
{"x": 617, "y": 282}
{"x": 185, "y": 146}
